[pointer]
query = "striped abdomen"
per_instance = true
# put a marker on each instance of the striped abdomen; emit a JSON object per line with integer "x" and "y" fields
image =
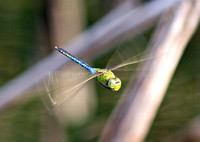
{"x": 75, "y": 59}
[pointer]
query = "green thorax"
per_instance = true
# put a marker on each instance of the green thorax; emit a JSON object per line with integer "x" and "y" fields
{"x": 108, "y": 79}
{"x": 107, "y": 74}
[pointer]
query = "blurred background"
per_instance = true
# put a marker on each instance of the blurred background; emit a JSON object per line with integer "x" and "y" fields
{"x": 29, "y": 30}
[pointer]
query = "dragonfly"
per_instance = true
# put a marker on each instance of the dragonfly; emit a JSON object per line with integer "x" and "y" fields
{"x": 57, "y": 91}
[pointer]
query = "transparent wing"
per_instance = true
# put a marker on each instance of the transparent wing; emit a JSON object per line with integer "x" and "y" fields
{"x": 128, "y": 51}
{"x": 60, "y": 87}
{"x": 127, "y": 55}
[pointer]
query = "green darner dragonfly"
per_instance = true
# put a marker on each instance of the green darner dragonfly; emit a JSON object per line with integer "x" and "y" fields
{"x": 58, "y": 90}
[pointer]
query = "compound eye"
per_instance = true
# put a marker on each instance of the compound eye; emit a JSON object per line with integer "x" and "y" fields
{"x": 114, "y": 84}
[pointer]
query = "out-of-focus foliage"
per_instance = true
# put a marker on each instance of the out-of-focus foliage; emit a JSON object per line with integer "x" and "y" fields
{"x": 17, "y": 37}
{"x": 181, "y": 103}
{"x": 18, "y": 44}
{"x": 22, "y": 123}
{"x": 96, "y": 9}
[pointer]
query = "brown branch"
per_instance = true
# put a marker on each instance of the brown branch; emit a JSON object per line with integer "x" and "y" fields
{"x": 92, "y": 43}
{"x": 132, "y": 120}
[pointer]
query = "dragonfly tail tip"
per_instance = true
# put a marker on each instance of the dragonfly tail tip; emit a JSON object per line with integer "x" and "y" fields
{"x": 56, "y": 47}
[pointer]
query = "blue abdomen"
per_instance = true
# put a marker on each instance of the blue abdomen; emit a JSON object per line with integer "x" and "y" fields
{"x": 75, "y": 59}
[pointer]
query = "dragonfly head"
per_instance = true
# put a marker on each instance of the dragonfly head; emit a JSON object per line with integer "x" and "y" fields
{"x": 114, "y": 84}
